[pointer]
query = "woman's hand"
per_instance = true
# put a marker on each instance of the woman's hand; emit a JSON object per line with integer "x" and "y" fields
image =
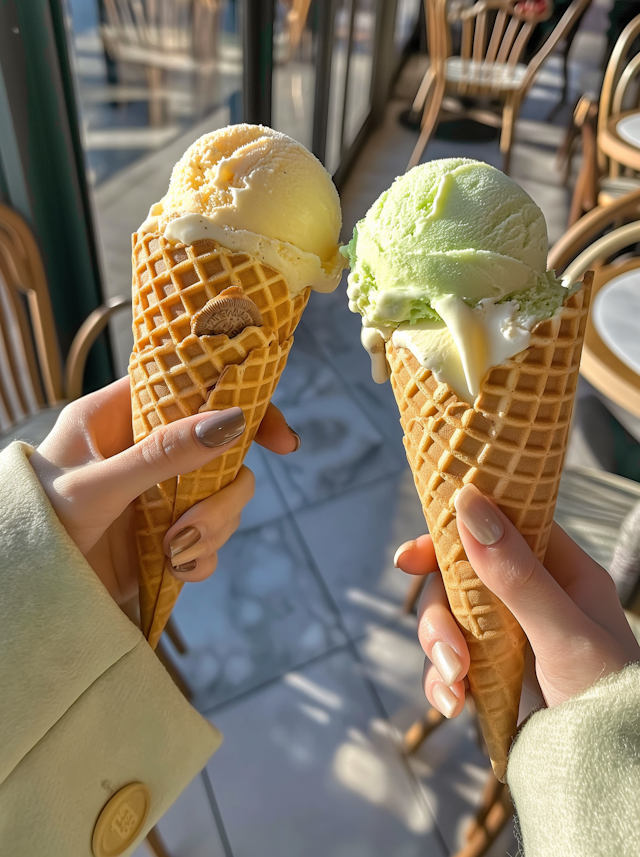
{"x": 92, "y": 472}
{"x": 569, "y": 610}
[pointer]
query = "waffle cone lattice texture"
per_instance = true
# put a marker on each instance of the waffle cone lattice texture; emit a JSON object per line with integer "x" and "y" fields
{"x": 175, "y": 373}
{"x": 511, "y": 445}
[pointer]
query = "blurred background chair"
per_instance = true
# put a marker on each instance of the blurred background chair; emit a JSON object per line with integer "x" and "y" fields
{"x": 33, "y": 385}
{"x": 163, "y": 36}
{"x": 485, "y": 79}
{"x": 610, "y": 162}
{"x": 620, "y": 99}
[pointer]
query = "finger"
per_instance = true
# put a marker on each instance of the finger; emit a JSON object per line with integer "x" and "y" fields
{"x": 587, "y": 583}
{"x": 96, "y": 426}
{"x": 204, "y": 520}
{"x": 448, "y": 699}
{"x": 195, "y": 571}
{"x": 439, "y": 633}
{"x": 276, "y": 434}
{"x": 180, "y": 447}
{"x": 505, "y": 563}
{"x": 417, "y": 556}
{"x": 201, "y": 551}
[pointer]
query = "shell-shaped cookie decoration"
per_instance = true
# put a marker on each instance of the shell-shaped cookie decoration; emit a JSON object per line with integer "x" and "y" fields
{"x": 229, "y": 313}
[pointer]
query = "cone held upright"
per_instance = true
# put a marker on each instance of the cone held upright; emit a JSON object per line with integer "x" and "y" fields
{"x": 175, "y": 373}
{"x": 511, "y": 445}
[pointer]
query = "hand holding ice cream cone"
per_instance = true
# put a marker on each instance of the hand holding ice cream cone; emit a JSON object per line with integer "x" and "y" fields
{"x": 568, "y": 608}
{"x": 482, "y": 345}
{"x": 222, "y": 271}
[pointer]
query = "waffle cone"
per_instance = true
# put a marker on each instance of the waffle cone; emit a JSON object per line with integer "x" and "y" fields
{"x": 175, "y": 373}
{"x": 511, "y": 445}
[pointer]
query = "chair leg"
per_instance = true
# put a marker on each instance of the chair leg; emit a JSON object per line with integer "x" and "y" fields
{"x": 506, "y": 138}
{"x": 155, "y": 844}
{"x": 413, "y": 594}
{"x": 491, "y": 793}
{"x": 173, "y": 633}
{"x": 423, "y": 91}
{"x": 429, "y": 117}
{"x": 417, "y": 734}
{"x": 483, "y": 836}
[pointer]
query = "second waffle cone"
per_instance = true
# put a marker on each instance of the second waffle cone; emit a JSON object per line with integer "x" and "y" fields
{"x": 511, "y": 445}
{"x": 175, "y": 374}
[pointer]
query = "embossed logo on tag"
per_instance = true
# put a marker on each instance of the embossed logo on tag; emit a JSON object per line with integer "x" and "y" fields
{"x": 125, "y": 821}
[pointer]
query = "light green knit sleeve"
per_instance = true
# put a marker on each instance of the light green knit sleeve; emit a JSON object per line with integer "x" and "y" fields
{"x": 574, "y": 773}
{"x": 85, "y": 706}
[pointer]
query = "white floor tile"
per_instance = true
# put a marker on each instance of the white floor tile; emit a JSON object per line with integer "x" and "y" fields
{"x": 353, "y": 539}
{"x": 308, "y": 768}
{"x": 188, "y": 828}
{"x": 263, "y": 612}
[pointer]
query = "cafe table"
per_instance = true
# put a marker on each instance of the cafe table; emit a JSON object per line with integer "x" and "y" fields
{"x": 620, "y": 139}
{"x": 611, "y": 355}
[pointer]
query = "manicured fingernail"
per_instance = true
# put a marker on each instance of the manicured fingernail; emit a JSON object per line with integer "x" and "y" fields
{"x": 220, "y": 427}
{"x": 446, "y": 662}
{"x": 407, "y": 546}
{"x": 296, "y": 436}
{"x": 186, "y": 538}
{"x": 479, "y": 515}
{"x": 444, "y": 698}
{"x": 188, "y": 566}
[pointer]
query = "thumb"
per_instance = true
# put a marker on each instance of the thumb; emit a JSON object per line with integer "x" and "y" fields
{"x": 505, "y": 563}
{"x": 177, "y": 448}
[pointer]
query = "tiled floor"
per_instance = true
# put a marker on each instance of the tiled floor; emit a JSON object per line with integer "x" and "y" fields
{"x": 297, "y": 648}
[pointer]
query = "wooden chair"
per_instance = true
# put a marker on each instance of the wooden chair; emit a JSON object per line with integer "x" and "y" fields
{"x": 600, "y": 366}
{"x": 602, "y": 180}
{"x": 33, "y": 386}
{"x": 162, "y": 36}
{"x": 617, "y": 93}
{"x": 487, "y": 69}
{"x": 591, "y": 226}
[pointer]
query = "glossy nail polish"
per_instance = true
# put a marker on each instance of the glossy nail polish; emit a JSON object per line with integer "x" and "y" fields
{"x": 296, "y": 436}
{"x": 186, "y": 538}
{"x": 220, "y": 427}
{"x": 446, "y": 662}
{"x": 444, "y": 698}
{"x": 188, "y": 566}
{"x": 479, "y": 516}
{"x": 403, "y": 549}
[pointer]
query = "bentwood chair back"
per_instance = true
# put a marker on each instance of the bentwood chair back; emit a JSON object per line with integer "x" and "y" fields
{"x": 619, "y": 87}
{"x": 600, "y": 366}
{"x": 31, "y": 377}
{"x": 488, "y": 66}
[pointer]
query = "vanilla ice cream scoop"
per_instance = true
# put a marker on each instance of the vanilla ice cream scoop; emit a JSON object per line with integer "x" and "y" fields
{"x": 253, "y": 189}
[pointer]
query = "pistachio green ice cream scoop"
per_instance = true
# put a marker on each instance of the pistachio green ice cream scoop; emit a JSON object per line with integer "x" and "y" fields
{"x": 449, "y": 227}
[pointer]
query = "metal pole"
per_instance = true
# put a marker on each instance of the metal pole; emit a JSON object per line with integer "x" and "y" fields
{"x": 324, "y": 59}
{"x": 258, "y": 24}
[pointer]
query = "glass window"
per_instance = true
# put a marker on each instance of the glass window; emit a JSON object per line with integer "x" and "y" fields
{"x": 360, "y": 69}
{"x": 152, "y": 76}
{"x": 337, "y": 91}
{"x": 295, "y": 44}
{"x": 406, "y": 17}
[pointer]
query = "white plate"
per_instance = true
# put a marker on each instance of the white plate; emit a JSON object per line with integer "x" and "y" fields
{"x": 616, "y": 317}
{"x": 629, "y": 129}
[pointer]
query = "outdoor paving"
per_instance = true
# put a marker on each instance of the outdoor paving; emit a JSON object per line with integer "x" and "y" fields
{"x": 297, "y": 646}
